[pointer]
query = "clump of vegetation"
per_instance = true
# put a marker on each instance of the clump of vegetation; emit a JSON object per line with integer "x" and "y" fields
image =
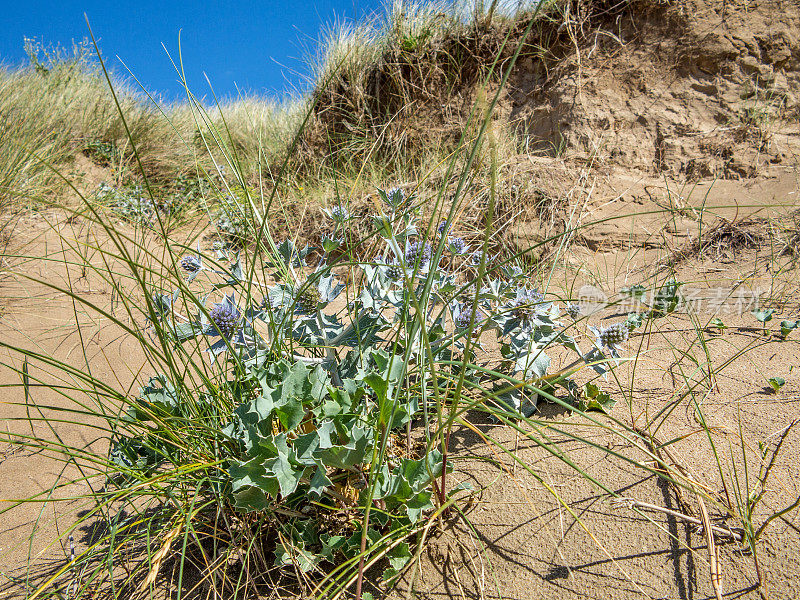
{"x": 134, "y": 204}
{"x": 130, "y": 204}
{"x": 322, "y": 409}
{"x": 313, "y": 428}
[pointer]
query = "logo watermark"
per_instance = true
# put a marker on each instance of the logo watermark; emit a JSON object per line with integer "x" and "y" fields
{"x": 717, "y": 300}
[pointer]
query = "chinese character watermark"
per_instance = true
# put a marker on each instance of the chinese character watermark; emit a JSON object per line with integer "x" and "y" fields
{"x": 715, "y": 300}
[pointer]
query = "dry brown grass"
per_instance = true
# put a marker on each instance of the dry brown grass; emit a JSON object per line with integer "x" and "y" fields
{"x": 393, "y": 102}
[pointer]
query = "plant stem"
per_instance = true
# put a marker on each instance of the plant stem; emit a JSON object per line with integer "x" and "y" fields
{"x": 330, "y": 354}
{"x": 442, "y": 488}
{"x": 733, "y": 534}
{"x": 360, "y": 580}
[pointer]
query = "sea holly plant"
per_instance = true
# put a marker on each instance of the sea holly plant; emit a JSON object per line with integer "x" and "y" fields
{"x": 326, "y": 383}
{"x": 301, "y": 434}
{"x": 129, "y": 204}
{"x": 135, "y": 205}
{"x": 776, "y": 383}
{"x": 293, "y": 442}
{"x": 787, "y": 327}
{"x": 763, "y": 317}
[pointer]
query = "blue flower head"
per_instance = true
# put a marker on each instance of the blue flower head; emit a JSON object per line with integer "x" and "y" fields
{"x": 525, "y": 306}
{"x": 418, "y": 251}
{"x": 394, "y": 272}
{"x": 339, "y": 213}
{"x": 225, "y": 317}
{"x": 464, "y": 316}
{"x": 457, "y": 246}
{"x": 611, "y": 337}
{"x": 191, "y": 264}
{"x": 395, "y": 198}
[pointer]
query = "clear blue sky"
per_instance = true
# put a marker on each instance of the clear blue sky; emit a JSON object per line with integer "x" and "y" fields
{"x": 255, "y": 45}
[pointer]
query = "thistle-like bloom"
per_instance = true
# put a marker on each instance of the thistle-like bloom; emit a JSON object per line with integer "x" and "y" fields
{"x": 309, "y": 299}
{"x": 394, "y": 272}
{"x": 525, "y": 306}
{"x": 418, "y": 251}
{"x": 441, "y": 229}
{"x": 463, "y": 318}
{"x": 462, "y": 315}
{"x": 340, "y": 213}
{"x": 457, "y": 246}
{"x": 191, "y": 264}
{"x": 225, "y": 317}
{"x": 612, "y": 336}
{"x": 396, "y": 197}
{"x": 535, "y": 296}
{"x": 573, "y": 310}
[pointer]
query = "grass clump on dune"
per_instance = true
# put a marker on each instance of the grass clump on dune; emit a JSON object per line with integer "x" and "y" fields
{"x": 375, "y": 100}
{"x": 59, "y": 106}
